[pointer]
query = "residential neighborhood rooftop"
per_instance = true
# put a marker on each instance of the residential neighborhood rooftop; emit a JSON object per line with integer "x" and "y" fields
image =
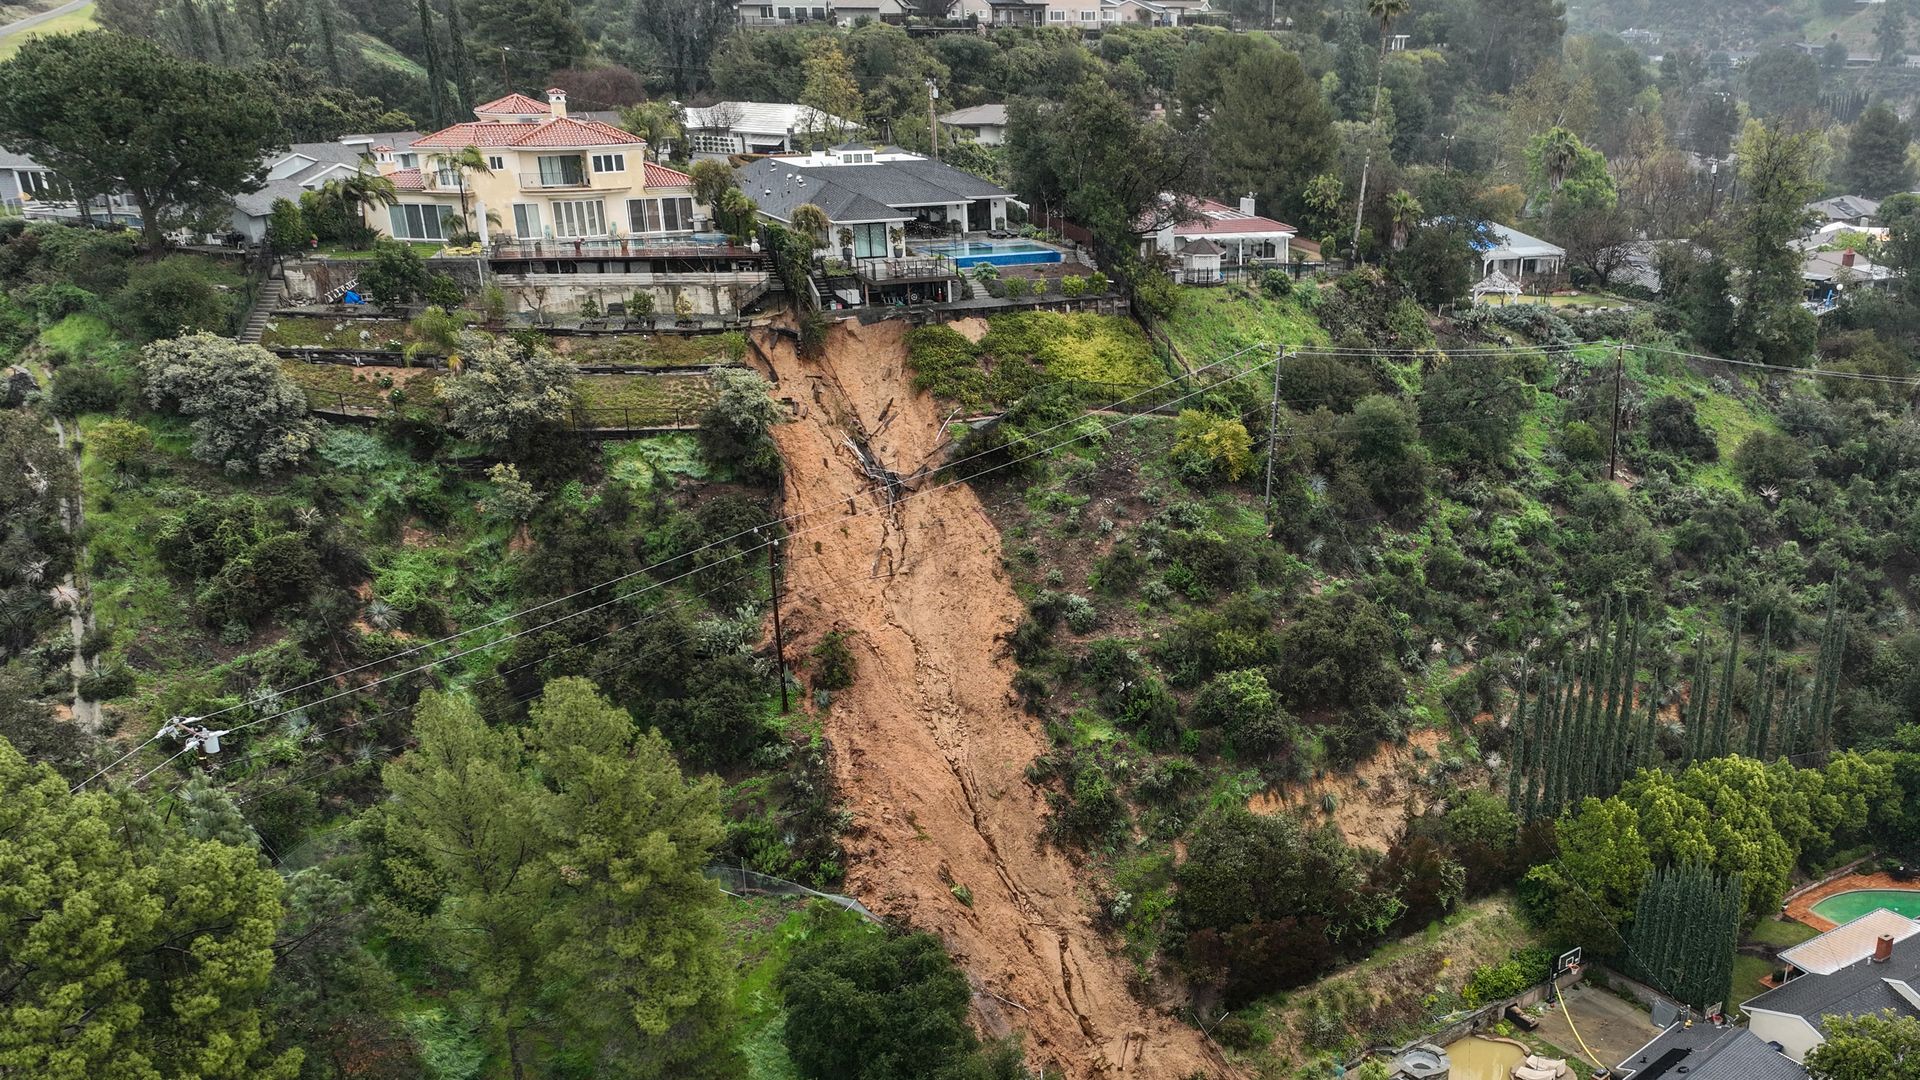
{"x": 1849, "y": 943}
{"x": 1855, "y": 990}
{"x": 994, "y": 115}
{"x": 764, "y": 118}
{"x": 874, "y": 191}
{"x": 1707, "y": 1052}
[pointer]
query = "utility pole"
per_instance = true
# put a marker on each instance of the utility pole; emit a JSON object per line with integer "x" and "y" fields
{"x": 779, "y": 638}
{"x": 1613, "y": 452}
{"x": 933, "y": 121}
{"x": 1273, "y": 430}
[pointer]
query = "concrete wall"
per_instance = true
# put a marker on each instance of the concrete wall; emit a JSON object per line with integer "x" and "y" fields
{"x": 710, "y": 293}
{"x": 1795, "y": 1036}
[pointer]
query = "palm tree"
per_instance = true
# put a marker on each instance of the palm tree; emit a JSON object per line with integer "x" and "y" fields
{"x": 1383, "y": 12}
{"x": 1405, "y": 210}
{"x": 360, "y": 191}
{"x": 467, "y": 157}
{"x": 811, "y": 222}
{"x": 1559, "y": 151}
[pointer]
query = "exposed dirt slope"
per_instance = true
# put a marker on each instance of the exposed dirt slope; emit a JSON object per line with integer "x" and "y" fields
{"x": 930, "y": 745}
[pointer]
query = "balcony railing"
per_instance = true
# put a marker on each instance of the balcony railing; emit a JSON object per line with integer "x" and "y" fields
{"x": 554, "y": 183}
{"x": 905, "y": 268}
{"x": 684, "y": 245}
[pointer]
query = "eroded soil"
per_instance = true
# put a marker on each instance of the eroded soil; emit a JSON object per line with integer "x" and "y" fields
{"x": 930, "y": 745}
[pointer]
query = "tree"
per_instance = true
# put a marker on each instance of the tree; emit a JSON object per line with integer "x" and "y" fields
{"x": 1207, "y": 445}
{"x": 1268, "y": 126}
{"x": 1871, "y": 1047}
{"x": 662, "y": 123}
{"x": 1405, "y": 211}
{"x": 1598, "y": 239}
{"x": 120, "y": 443}
{"x": 246, "y": 414}
{"x": 811, "y": 222}
{"x": 460, "y": 161}
{"x": 354, "y": 195}
{"x": 1564, "y": 174}
{"x": 286, "y": 227}
{"x": 506, "y": 390}
{"x": 1094, "y": 158}
{"x": 128, "y": 948}
{"x": 109, "y": 113}
{"x": 176, "y": 294}
{"x": 1876, "y": 164}
{"x": 1383, "y": 12}
{"x": 37, "y": 481}
{"x": 830, "y": 90}
{"x": 1685, "y": 928}
{"x": 1890, "y": 33}
{"x": 559, "y": 870}
{"x": 687, "y": 32}
{"x": 1595, "y": 883}
{"x": 868, "y": 1004}
{"x": 1381, "y": 438}
{"x": 1777, "y": 82}
{"x": 1473, "y": 405}
{"x": 395, "y": 275}
{"x": 540, "y": 36}
{"x": 1438, "y": 262}
{"x": 1778, "y": 170}
{"x": 736, "y": 430}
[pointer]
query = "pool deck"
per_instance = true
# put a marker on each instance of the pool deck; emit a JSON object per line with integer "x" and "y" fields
{"x": 1801, "y": 906}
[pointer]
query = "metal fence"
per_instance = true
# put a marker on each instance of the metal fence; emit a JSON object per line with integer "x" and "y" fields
{"x": 740, "y": 881}
{"x": 589, "y": 420}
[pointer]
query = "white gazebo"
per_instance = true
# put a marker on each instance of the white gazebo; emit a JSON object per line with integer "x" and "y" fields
{"x": 1495, "y": 284}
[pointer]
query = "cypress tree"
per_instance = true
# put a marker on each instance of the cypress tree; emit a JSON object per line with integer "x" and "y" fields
{"x": 1723, "y": 713}
{"x": 1540, "y": 709}
{"x": 436, "y": 87}
{"x": 1698, "y": 692}
{"x": 1756, "y": 709}
{"x": 1620, "y": 725}
{"x": 1647, "y": 753}
{"x": 329, "y": 47}
{"x": 217, "y": 18}
{"x": 263, "y": 26}
{"x": 461, "y": 56}
{"x": 1517, "y": 765}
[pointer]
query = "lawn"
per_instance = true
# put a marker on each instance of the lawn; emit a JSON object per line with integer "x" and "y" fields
{"x": 1747, "y": 973}
{"x": 645, "y": 400}
{"x": 72, "y": 22}
{"x": 1781, "y": 933}
{"x": 1208, "y": 323}
{"x": 655, "y": 350}
{"x": 335, "y": 386}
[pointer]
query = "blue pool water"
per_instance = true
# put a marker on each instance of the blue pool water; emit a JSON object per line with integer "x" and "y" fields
{"x": 971, "y": 253}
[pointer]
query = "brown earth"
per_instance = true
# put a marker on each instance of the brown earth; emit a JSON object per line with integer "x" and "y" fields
{"x": 1372, "y": 800}
{"x": 930, "y": 745}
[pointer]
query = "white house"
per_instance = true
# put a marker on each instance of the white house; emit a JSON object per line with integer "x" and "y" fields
{"x": 986, "y": 123}
{"x": 1518, "y": 255}
{"x": 1243, "y": 236}
{"x": 761, "y": 127}
{"x": 1793, "y": 1014}
{"x": 31, "y": 189}
{"x": 300, "y": 168}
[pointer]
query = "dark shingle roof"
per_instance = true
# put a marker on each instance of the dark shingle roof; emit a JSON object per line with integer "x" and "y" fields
{"x": 1854, "y": 990}
{"x": 1709, "y": 1053}
{"x": 860, "y": 192}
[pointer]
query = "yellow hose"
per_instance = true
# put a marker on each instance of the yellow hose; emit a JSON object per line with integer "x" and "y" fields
{"x": 1568, "y": 1013}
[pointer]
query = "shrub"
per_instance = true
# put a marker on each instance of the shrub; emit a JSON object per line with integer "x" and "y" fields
{"x": 1521, "y": 969}
{"x": 1097, "y": 283}
{"x": 1581, "y": 444}
{"x": 833, "y": 662}
{"x": 395, "y": 274}
{"x": 246, "y": 414}
{"x": 505, "y": 390}
{"x": 1016, "y": 287}
{"x": 736, "y": 429}
{"x": 177, "y": 294}
{"x": 1207, "y": 446}
{"x": 85, "y": 388}
{"x": 1276, "y": 283}
{"x": 1072, "y": 285}
{"x": 1770, "y": 459}
{"x": 1673, "y": 425}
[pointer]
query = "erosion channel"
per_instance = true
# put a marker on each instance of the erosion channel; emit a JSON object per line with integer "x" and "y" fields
{"x": 930, "y": 743}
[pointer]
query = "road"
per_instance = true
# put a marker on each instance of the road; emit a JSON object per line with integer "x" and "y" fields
{"x": 32, "y": 21}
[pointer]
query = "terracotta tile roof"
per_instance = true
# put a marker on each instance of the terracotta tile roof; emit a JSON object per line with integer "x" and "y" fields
{"x": 407, "y": 180}
{"x": 565, "y": 131}
{"x": 661, "y": 176}
{"x": 512, "y": 103}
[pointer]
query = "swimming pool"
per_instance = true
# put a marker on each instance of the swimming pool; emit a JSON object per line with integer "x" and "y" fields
{"x": 970, "y": 253}
{"x": 1848, "y": 906}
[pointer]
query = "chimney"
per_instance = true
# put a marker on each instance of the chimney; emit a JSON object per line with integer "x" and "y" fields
{"x": 557, "y": 101}
{"x": 1246, "y": 205}
{"x": 383, "y": 159}
{"x": 1846, "y": 257}
{"x": 1882, "y": 949}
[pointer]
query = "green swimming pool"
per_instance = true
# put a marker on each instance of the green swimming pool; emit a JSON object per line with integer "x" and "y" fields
{"x": 1848, "y": 906}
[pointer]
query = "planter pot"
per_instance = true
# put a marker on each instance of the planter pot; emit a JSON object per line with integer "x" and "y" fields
{"x": 623, "y": 247}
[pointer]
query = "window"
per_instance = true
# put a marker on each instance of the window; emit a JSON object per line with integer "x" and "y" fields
{"x": 722, "y": 143}
{"x": 446, "y": 176}
{"x": 495, "y": 162}
{"x": 660, "y": 215}
{"x": 35, "y": 183}
{"x": 586, "y": 217}
{"x": 1088, "y": 16}
{"x": 1056, "y": 15}
{"x": 526, "y": 221}
{"x": 561, "y": 172}
{"x": 407, "y": 161}
{"x": 421, "y": 221}
{"x": 609, "y": 163}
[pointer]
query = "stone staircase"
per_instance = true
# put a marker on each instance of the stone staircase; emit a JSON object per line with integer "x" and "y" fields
{"x": 272, "y": 295}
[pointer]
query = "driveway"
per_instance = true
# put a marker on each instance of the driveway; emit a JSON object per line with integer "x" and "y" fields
{"x": 32, "y": 21}
{"x": 1613, "y": 1026}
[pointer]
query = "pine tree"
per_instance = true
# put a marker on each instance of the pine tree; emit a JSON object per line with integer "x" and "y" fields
{"x": 1535, "y": 741}
{"x": 1757, "y": 708}
{"x": 1647, "y": 752}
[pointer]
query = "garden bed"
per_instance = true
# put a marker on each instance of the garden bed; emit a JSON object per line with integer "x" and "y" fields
{"x": 359, "y": 334}
{"x": 663, "y": 351}
{"x": 633, "y": 401}
{"x": 341, "y": 388}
